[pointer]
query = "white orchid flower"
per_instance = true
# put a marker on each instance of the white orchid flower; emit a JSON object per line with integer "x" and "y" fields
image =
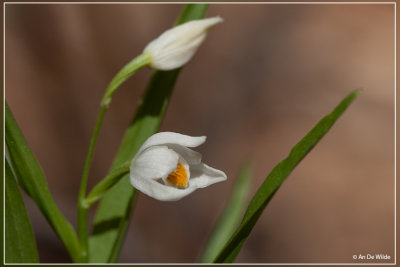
{"x": 166, "y": 169}
{"x": 176, "y": 46}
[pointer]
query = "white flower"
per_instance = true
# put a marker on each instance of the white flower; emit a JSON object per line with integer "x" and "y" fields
{"x": 176, "y": 46}
{"x": 166, "y": 169}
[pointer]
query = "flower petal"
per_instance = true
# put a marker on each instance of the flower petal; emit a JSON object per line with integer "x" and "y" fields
{"x": 192, "y": 157}
{"x": 176, "y": 46}
{"x": 203, "y": 175}
{"x": 153, "y": 163}
{"x": 162, "y": 192}
{"x": 165, "y": 138}
{"x": 178, "y": 54}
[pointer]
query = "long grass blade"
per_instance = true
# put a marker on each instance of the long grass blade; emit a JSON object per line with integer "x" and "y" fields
{"x": 231, "y": 216}
{"x": 20, "y": 245}
{"x": 113, "y": 213}
{"x": 277, "y": 176}
{"x": 30, "y": 175}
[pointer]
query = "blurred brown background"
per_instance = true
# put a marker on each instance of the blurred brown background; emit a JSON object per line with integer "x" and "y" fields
{"x": 261, "y": 80}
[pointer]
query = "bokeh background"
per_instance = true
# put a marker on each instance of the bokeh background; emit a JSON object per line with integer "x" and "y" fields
{"x": 259, "y": 83}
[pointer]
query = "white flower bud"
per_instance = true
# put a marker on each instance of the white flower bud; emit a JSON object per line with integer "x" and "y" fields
{"x": 176, "y": 46}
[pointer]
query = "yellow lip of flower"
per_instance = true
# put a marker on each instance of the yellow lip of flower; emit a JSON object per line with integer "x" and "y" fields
{"x": 179, "y": 177}
{"x": 165, "y": 168}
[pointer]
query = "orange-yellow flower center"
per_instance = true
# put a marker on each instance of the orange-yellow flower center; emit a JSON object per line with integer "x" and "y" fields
{"x": 178, "y": 177}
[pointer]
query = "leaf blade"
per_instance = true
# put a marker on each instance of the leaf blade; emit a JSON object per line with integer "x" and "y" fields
{"x": 277, "y": 176}
{"x": 30, "y": 175}
{"x": 20, "y": 245}
{"x": 113, "y": 213}
{"x": 230, "y": 218}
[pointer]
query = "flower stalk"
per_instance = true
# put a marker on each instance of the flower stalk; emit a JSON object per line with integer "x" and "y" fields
{"x": 171, "y": 50}
{"x": 83, "y": 209}
{"x": 126, "y": 72}
{"x": 97, "y": 192}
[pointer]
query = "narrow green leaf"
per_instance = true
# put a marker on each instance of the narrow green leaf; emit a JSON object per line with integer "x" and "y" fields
{"x": 113, "y": 213}
{"x": 192, "y": 12}
{"x": 30, "y": 175}
{"x": 231, "y": 216}
{"x": 280, "y": 172}
{"x": 20, "y": 243}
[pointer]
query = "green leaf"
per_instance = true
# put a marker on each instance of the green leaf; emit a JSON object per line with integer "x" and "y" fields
{"x": 20, "y": 243}
{"x": 113, "y": 213}
{"x": 30, "y": 175}
{"x": 192, "y": 12}
{"x": 280, "y": 172}
{"x": 231, "y": 216}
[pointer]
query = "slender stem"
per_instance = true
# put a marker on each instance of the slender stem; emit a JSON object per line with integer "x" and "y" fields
{"x": 127, "y": 71}
{"x": 111, "y": 179}
{"x": 82, "y": 209}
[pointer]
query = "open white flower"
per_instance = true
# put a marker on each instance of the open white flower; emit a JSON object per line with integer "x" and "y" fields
{"x": 166, "y": 169}
{"x": 176, "y": 46}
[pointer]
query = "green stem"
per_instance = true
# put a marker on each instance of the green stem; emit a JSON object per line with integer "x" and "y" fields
{"x": 134, "y": 65}
{"x": 127, "y": 71}
{"x": 112, "y": 178}
{"x": 82, "y": 209}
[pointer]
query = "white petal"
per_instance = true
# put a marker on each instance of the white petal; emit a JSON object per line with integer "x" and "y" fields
{"x": 192, "y": 157}
{"x": 153, "y": 163}
{"x": 177, "y": 55}
{"x": 163, "y": 192}
{"x": 188, "y": 31}
{"x": 176, "y": 46}
{"x": 203, "y": 175}
{"x": 165, "y": 138}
